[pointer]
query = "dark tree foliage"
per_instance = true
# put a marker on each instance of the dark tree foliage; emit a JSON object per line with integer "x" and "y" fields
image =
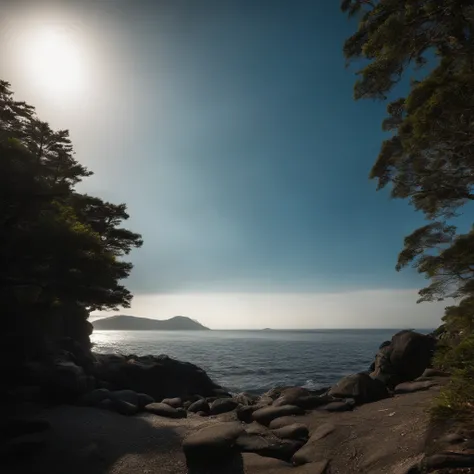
{"x": 429, "y": 157}
{"x": 64, "y": 247}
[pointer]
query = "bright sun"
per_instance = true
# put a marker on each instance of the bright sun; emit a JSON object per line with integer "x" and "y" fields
{"x": 55, "y": 62}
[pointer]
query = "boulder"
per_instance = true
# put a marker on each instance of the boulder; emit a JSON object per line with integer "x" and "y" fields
{"x": 407, "y": 356}
{"x": 65, "y": 381}
{"x": 173, "y": 402}
{"x": 309, "y": 452}
{"x": 144, "y": 399}
{"x": 290, "y": 396}
{"x": 158, "y": 376}
{"x": 126, "y": 395}
{"x": 162, "y": 409}
{"x": 294, "y": 431}
{"x": 212, "y": 445}
{"x": 265, "y": 415}
{"x": 361, "y": 387}
{"x": 268, "y": 446}
{"x": 200, "y": 405}
{"x": 202, "y": 413}
{"x": 223, "y": 405}
{"x": 278, "y": 423}
{"x": 245, "y": 412}
{"x": 94, "y": 397}
{"x": 123, "y": 407}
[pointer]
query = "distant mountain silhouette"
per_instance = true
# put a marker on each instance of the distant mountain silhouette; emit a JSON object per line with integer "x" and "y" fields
{"x": 131, "y": 323}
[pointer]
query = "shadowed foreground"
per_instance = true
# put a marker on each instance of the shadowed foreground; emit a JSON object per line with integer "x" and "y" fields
{"x": 387, "y": 436}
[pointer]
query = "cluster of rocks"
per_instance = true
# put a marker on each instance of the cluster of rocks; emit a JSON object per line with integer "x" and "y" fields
{"x": 264, "y": 425}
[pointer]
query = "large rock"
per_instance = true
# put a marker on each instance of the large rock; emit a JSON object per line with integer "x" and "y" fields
{"x": 162, "y": 409}
{"x": 268, "y": 446}
{"x": 173, "y": 402}
{"x": 404, "y": 359}
{"x": 309, "y": 453}
{"x": 199, "y": 405}
{"x": 158, "y": 376}
{"x": 293, "y": 431}
{"x": 120, "y": 406}
{"x": 290, "y": 396}
{"x": 223, "y": 405}
{"x": 265, "y": 415}
{"x": 66, "y": 381}
{"x": 212, "y": 445}
{"x": 361, "y": 387}
{"x": 245, "y": 412}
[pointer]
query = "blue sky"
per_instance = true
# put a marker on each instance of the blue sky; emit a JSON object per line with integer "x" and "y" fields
{"x": 229, "y": 129}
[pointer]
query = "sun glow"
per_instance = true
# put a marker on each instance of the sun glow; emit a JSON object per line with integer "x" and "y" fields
{"x": 54, "y": 62}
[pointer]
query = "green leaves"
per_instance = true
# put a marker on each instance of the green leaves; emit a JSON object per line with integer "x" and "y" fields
{"x": 429, "y": 157}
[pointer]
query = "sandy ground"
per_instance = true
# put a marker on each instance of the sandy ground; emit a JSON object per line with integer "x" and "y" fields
{"x": 385, "y": 437}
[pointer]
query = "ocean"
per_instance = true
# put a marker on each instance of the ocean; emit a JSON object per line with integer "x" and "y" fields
{"x": 255, "y": 361}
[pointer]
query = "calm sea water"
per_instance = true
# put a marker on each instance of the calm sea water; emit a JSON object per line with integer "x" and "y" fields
{"x": 256, "y": 361}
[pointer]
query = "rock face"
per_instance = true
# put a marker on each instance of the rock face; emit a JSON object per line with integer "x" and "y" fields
{"x": 360, "y": 387}
{"x": 158, "y": 376}
{"x": 404, "y": 359}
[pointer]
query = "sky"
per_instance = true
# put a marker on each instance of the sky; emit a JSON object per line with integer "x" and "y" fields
{"x": 230, "y": 130}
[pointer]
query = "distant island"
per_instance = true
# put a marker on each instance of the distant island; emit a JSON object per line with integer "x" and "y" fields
{"x": 131, "y": 323}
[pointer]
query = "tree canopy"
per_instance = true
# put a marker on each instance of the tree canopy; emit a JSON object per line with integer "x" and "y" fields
{"x": 68, "y": 245}
{"x": 428, "y": 157}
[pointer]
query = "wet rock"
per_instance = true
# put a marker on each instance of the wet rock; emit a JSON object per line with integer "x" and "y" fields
{"x": 212, "y": 445}
{"x": 223, "y": 405}
{"x": 361, "y": 387}
{"x": 265, "y": 415}
{"x": 200, "y": 405}
{"x": 162, "y": 409}
{"x": 410, "y": 387}
{"x": 173, "y": 402}
{"x": 294, "y": 431}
